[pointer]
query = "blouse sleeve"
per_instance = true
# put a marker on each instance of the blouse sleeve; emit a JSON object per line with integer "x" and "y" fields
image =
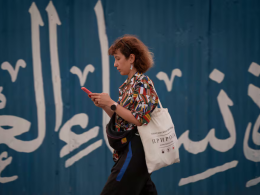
{"x": 145, "y": 101}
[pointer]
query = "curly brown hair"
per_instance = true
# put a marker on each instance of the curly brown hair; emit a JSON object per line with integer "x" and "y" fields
{"x": 130, "y": 44}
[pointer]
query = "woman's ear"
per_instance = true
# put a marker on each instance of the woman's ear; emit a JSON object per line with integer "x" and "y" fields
{"x": 132, "y": 58}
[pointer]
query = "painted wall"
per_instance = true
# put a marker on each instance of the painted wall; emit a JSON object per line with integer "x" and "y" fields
{"x": 206, "y": 73}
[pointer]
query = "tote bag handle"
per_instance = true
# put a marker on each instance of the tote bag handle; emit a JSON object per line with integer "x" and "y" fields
{"x": 157, "y": 95}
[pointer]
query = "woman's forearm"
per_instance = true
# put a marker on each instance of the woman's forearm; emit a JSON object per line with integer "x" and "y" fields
{"x": 106, "y": 102}
{"x": 108, "y": 111}
{"x": 127, "y": 115}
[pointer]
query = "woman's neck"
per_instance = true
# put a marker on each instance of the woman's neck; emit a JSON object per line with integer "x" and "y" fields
{"x": 131, "y": 73}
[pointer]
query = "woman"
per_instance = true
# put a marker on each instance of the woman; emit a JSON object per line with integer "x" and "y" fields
{"x": 137, "y": 100}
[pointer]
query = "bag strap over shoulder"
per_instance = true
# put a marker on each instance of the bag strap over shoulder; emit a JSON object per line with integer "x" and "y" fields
{"x": 157, "y": 95}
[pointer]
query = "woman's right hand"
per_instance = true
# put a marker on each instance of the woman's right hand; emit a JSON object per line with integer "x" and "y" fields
{"x": 96, "y": 103}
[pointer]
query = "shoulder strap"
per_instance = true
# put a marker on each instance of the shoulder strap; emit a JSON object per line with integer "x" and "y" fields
{"x": 157, "y": 95}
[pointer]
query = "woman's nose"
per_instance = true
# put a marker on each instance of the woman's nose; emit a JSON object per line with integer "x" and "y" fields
{"x": 115, "y": 64}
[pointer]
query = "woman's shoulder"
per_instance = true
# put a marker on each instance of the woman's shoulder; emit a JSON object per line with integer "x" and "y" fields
{"x": 144, "y": 79}
{"x": 144, "y": 85}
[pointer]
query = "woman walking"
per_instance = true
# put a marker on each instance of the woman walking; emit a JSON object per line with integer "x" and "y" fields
{"x": 137, "y": 100}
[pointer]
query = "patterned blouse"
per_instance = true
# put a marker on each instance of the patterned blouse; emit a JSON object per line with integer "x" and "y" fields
{"x": 138, "y": 96}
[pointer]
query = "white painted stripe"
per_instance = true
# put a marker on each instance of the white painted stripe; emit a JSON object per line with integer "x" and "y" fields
{"x": 105, "y": 61}
{"x": 253, "y": 182}
{"x": 208, "y": 173}
{"x": 54, "y": 20}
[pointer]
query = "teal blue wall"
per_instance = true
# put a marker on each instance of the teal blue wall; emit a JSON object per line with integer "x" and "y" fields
{"x": 206, "y": 72}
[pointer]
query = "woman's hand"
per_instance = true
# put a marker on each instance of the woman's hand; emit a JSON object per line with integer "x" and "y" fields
{"x": 101, "y": 99}
{"x": 98, "y": 105}
{"x": 95, "y": 102}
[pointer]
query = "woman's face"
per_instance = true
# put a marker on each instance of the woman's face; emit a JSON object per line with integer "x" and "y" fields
{"x": 121, "y": 63}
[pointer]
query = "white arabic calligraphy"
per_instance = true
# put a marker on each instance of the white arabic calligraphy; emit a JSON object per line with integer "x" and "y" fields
{"x": 3, "y": 164}
{"x": 13, "y": 71}
{"x": 168, "y": 82}
{"x": 73, "y": 140}
{"x": 55, "y": 67}
{"x": 105, "y": 61}
{"x": 82, "y": 76}
{"x": 221, "y": 145}
{"x": 251, "y": 154}
{"x": 20, "y": 125}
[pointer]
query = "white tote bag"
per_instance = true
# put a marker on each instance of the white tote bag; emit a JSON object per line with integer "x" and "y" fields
{"x": 159, "y": 140}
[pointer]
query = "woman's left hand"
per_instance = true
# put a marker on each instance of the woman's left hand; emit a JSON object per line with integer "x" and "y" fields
{"x": 102, "y": 99}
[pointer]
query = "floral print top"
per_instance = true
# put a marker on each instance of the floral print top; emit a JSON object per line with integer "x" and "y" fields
{"x": 137, "y": 95}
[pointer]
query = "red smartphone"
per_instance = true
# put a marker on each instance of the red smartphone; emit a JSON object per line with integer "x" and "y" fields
{"x": 86, "y": 90}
